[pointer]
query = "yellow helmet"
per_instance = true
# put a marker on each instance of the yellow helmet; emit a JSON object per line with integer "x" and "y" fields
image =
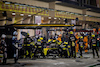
{"x": 81, "y": 37}
{"x": 93, "y": 35}
{"x": 71, "y": 32}
{"x": 41, "y": 38}
{"x": 27, "y": 33}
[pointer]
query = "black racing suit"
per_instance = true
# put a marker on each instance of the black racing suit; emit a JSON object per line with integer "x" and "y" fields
{"x": 27, "y": 46}
{"x": 81, "y": 45}
{"x": 15, "y": 48}
{"x": 72, "y": 40}
{"x": 93, "y": 44}
{"x": 39, "y": 49}
{"x": 4, "y": 46}
{"x": 68, "y": 48}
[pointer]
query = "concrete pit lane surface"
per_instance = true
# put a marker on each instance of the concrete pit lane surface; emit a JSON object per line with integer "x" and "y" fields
{"x": 86, "y": 61}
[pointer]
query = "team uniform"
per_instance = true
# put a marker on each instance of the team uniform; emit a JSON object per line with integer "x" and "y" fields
{"x": 4, "y": 48}
{"x": 93, "y": 44}
{"x": 72, "y": 40}
{"x": 15, "y": 46}
{"x": 81, "y": 46}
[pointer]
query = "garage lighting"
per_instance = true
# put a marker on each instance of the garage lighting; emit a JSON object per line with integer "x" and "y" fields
{"x": 67, "y": 12}
{"x": 85, "y": 15}
{"x": 21, "y": 14}
{"x": 58, "y": 2}
{"x": 76, "y": 14}
{"x": 36, "y": 16}
{"x": 13, "y": 13}
{"x": 55, "y": 18}
{"x": 42, "y": 18}
{"x": 7, "y": 2}
{"x": 49, "y": 17}
{"x": 29, "y": 15}
{"x": 16, "y": 4}
{"x": 33, "y": 6}
{"x": 71, "y": 13}
{"x": 39, "y": 23}
{"x": 59, "y": 18}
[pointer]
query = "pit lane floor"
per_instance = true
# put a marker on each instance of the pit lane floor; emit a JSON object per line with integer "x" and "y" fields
{"x": 87, "y": 61}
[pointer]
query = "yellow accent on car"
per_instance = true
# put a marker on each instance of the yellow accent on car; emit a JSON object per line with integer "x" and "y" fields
{"x": 39, "y": 46}
{"x": 54, "y": 40}
{"x": 94, "y": 44}
{"x": 41, "y": 38}
{"x": 45, "y": 51}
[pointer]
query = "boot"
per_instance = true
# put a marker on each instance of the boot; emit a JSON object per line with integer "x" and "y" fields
{"x": 15, "y": 60}
{"x": 98, "y": 56}
{"x": 93, "y": 56}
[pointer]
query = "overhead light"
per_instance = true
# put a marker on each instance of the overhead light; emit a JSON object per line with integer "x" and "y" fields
{"x": 16, "y": 4}
{"x": 29, "y": 15}
{"x": 33, "y": 6}
{"x": 21, "y": 14}
{"x": 39, "y": 23}
{"x": 64, "y": 19}
{"x": 76, "y": 14}
{"x": 49, "y": 17}
{"x": 67, "y": 12}
{"x": 13, "y": 13}
{"x": 59, "y": 18}
{"x": 36, "y": 16}
{"x": 7, "y": 2}
{"x": 71, "y": 13}
{"x": 55, "y": 18}
{"x": 62, "y": 11}
{"x": 58, "y": 2}
{"x": 42, "y": 18}
{"x": 85, "y": 15}
{"x": 51, "y": 9}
